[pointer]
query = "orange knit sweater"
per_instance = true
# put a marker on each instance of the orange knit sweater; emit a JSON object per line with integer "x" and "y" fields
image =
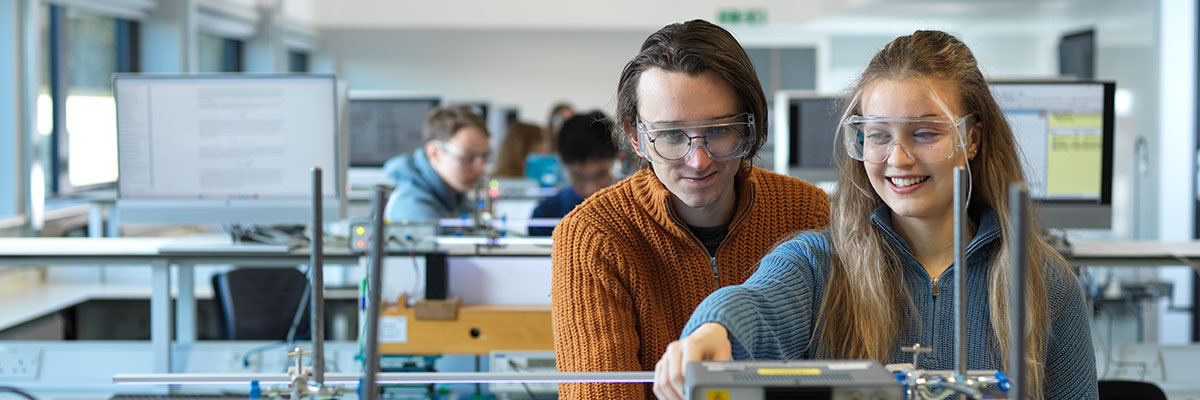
{"x": 628, "y": 272}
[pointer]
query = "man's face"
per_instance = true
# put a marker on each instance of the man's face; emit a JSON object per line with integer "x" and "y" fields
{"x": 460, "y": 160}
{"x": 588, "y": 177}
{"x": 697, "y": 182}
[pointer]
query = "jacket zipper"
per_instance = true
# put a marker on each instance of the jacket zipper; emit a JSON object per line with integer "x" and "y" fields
{"x": 713, "y": 259}
{"x": 716, "y": 276}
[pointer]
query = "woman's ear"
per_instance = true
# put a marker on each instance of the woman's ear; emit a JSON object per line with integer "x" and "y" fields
{"x": 973, "y": 147}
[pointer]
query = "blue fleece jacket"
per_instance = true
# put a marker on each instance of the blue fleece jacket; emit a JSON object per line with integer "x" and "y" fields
{"x": 420, "y": 194}
{"x": 773, "y": 314}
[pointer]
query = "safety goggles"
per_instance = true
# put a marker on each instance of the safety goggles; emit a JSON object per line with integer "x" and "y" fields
{"x": 923, "y": 139}
{"x": 463, "y": 157}
{"x": 672, "y": 142}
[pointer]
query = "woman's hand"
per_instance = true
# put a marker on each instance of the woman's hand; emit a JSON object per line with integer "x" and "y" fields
{"x": 709, "y": 342}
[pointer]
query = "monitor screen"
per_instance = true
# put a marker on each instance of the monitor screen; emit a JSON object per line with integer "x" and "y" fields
{"x": 225, "y": 148}
{"x": 381, "y": 128}
{"x": 1065, "y": 133}
{"x": 814, "y": 123}
{"x": 806, "y": 136}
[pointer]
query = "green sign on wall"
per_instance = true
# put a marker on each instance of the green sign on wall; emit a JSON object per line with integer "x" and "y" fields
{"x": 732, "y": 16}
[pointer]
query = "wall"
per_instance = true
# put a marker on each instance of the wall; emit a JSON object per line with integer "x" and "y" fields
{"x": 528, "y": 68}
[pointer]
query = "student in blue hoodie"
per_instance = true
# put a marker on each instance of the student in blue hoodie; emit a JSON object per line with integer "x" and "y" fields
{"x": 432, "y": 181}
{"x": 882, "y": 276}
{"x": 585, "y": 145}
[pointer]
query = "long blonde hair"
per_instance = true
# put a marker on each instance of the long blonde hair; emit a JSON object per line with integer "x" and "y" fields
{"x": 866, "y": 304}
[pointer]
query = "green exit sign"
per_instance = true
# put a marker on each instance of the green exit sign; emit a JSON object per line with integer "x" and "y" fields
{"x": 733, "y": 16}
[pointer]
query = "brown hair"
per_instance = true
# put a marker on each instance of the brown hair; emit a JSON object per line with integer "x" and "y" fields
{"x": 692, "y": 47}
{"x": 518, "y": 143}
{"x": 443, "y": 122}
{"x": 865, "y": 303}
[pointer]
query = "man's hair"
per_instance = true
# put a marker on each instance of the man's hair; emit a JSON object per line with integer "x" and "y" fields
{"x": 443, "y": 122}
{"x": 693, "y": 48}
{"x": 586, "y": 137}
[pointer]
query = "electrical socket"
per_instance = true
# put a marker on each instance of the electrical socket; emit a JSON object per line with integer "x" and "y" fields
{"x": 20, "y": 364}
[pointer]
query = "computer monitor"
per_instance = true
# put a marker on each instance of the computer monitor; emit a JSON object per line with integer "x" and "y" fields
{"x": 1065, "y": 132}
{"x": 1077, "y": 55}
{"x": 805, "y": 130}
{"x": 226, "y": 148}
{"x": 382, "y": 125}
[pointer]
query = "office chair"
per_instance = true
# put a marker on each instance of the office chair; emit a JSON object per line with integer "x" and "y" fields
{"x": 1130, "y": 390}
{"x": 259, "y": 303}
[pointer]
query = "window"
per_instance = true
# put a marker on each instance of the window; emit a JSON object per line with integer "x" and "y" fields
{"x": 218, "y": 54}
{"x": 76, "y": 106}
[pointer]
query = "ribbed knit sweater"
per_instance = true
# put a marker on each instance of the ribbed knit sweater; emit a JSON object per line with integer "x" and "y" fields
{"x": 773, "y": 314}
{"x": 628, "y": 272}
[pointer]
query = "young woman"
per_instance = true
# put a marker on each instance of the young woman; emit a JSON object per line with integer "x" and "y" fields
{"x": 882, "y": 277}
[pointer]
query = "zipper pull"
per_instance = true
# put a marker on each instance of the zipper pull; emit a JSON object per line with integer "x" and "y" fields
{"x": 716, "y": 277}
{"x": 936, "y": 291}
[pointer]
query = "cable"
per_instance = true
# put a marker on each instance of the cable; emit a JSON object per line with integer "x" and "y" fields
{"x": 516, "y": 368}
{"x": 18, "y": 392}
{"x": 260, "y": 349}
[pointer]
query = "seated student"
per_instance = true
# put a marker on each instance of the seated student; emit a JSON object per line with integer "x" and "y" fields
{"x": 882, "y": 278}
{"x": 521, "y": 140}
{"x": 431, "y": 182}
{"x": 588, "y": 154}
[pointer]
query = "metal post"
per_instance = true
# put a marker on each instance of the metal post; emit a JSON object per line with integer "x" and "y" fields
{"x": 316, "y": 264}
{"x": 1019, "y": 208}
{"x": 960, "y": 271}
{"x": 375, "y": 268}
{"x": 185, "y": 304}
{"x": 160, "y": 314}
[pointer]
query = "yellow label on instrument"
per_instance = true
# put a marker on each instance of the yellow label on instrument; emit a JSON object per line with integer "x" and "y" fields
{"x": 789, "y": 371}
{"x": 716, "y": 394}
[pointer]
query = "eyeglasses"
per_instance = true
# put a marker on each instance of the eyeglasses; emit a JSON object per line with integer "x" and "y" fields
{"x": 462, "y": 156}
{"x": 923, "y": 139}
{"x": 672, "y": 142}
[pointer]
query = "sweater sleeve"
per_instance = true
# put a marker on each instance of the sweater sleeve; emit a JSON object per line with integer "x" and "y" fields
{"x": 594, "y": 328}
{"x": 772, "y": 315}
{"x": 1070, "y": 357}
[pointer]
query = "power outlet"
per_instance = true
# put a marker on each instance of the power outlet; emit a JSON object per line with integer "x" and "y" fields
{"x": 20, "y": 364}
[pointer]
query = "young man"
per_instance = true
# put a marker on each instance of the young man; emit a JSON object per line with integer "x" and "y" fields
{"x": 585, "y": 146}
{"x": 633, "y": 261}
{"x": 431, "y": 182}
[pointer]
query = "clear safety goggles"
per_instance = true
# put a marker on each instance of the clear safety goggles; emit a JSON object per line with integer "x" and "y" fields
{"x": 672, "y": 142}
{"x": 923, "y": 139}
{"x": 463, "y": 156}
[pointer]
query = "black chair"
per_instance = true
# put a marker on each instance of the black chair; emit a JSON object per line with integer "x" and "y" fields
{"x": 1130, "y": 390}
{"x": 259, "y": 303}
